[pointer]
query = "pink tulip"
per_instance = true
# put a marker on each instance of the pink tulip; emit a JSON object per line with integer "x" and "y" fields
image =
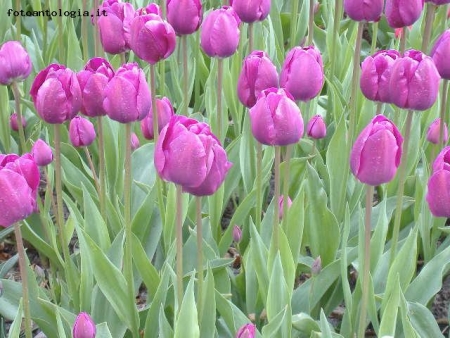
{"x": 316, "y": 127}
{"x": 281, "y": 205}
{"x": 402, "y": 13}
{"x": 15, "y": 63}
{"x": 434, "y": 130}
{"x": 185, "y": 16}
{"x": 440, "y": 54}
{"x": 81, "y": 132}
{"x": 84, "y": 326}
{"x": 42, "y": 153}
{"x": 251, "y": 10}
{"x": 134, "y": 140}
{"x": 368, "y": 10}
{"x": 246, "y": 331}
{"x": 165, "y": 112}
{"x": 14, "y": 123}
{"x": 438, "y": 194}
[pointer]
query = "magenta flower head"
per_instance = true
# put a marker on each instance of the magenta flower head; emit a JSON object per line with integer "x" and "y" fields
{"x": 281, "y": 205}
{"x": 440, "y": 54}
{"x": 302, "y": 73}
{"x": 15, "y": 61}
{"x": 276, "y": 119}
{"x": 258, "y": 73}
{"x": 433, "y": 132}
{"x": 251, "y": 10}
{"x": 187, "y": 153}
{"x": 84, "y": 326}
{"x": 237, "y": 234}
{"x": 151, "y": 8}
{"x": 376, "y": 74}
{"x": 114, "y": 27}
{"x": 246, "y": 331}
{"x": 19, "y": 181}
{"x": 134, "y": 140}
{"x": 165, "y": 112}
{"x": 56, "y": 94}
{"x": 127, "y": 95}
{"x": 81, "y": 132}
{"x": 93, "y": 80}
{"x": 402, "y": 13}
{"x": 368, "y": 10}
{"x": 185, "y": 16}
{"x": 377, "y": 151}
{"x": 14, "y": 123}
{"x": 152, "y": 38}
{"x": 438, "y": 193}
{"x": 316, "y": 127}
{"x": 42, "y": 153}
{"x": 219, "y": 35}
{"x": 414, "y": 82}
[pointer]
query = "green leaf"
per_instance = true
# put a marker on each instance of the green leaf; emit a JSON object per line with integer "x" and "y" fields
{"x": 186, "y": 324}
{"x": 14, "y": 330}
{"x": 146, "y": 269}
{"x": 389, "y": 316}
{"x": 423, "y": 321}
{"x": 208, "y": 308}
{"x": 165, "y": 330}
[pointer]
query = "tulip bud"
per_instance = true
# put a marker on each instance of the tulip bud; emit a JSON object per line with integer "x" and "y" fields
{"x": 134, "y": 140}
{"x": 127, "y": 95}
{"x": 152, "y": 38}
{"x": 42, "y": 153}
{"x": 165, "y": 112}
{"x": 302, "y": 73}
{"x": 84, "y": 326}
{"x": 377, "y": 151}
{"x": 14, "y": 123}
{"x": 434, "y": 130}
{"x": 316, "y": 127}
{"x": 81, "y": 132}
{"x": 93, "y": 80}
{"x": 414, "y": 82}
{"x": 276, "y": 119}
{"x": 237, "y": 234}
{"x": 15, "y": 61}
{"x": 364, "y": 10}
{"x": 376, "y": 74}
{"x": 316, "y": 266}
{"x": 401, "y": 13}
{"x": 251, "y": 10}
{"x": 246, "y": 331}
{"x": 56, "y": 94}
{"x": 219, "y": 36}
{"x": 438, "y": 193}
{"x": 258, "y": 73}
{"x": 151, "y": 8}
{"x": 442, "y": 161}
{"x": 281, "y": 205}
{"x": 185, "y": 16}
{"x": 440, "y": 54}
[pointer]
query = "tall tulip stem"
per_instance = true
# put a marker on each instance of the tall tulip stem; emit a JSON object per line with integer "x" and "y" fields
{"x": 250, "y": 37}
{"x": 198, "y": 204}
{"x": 276, "y": 198}
{"x": 24, "y": 277}
{"x": 91, "y": 166}
{"x": 429, "y": 18}
{"x": 219, "y": 98}
{"x": 294, "y": 18}
{"x": 97, "y": 44}
{"x": 366, "y": 265}
{"x": 101, "y": 165}
{"x": 16, "y": 93}
{"x": 154, "y": 105}
{"x": 258, "y": 184}
{"x": 18, "y": 24}
{"x": 179, "y": 245}
{"x": 373, "y": 46}
{"x": 335, "y": 33}
{"x": 311, "y": 23}
{"x": 184, "y": 48}
{"x": 286, "y": 177}
{"x": 403, "y": 37}
{"x": 84, "y": 34}
{"x": 443, "y": 109}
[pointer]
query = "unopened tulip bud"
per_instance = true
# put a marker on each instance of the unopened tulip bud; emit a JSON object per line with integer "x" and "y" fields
{"x": 84, "y": 326}
{"x": 15, "y": 63}
{"x": 438, "y": 193}
{"x": 42, "y": 153}
{"x": 281, "y": 205}
{"x": 134, "y": 142}
{"x": 165, "y": 112}
{"x": 237, "y": 234}
{"x": 440, "y": 54}
{"x": 14, "y": 122}
{"x": 364, "y": 10}
{"x": 316, "y": 127}
{"x": 185, "y": 16}
{"x": 316, "y": 266}
{"x": 251, "y": 10}
{"x": 434, "y": 130}
{"x": 246, "y": 331}
{"x": 81, "y": 132}
{"x": 401, "y": 13}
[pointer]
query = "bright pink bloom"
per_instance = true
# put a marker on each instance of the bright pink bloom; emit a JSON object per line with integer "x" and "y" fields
{"x": 134, "y": 142}
{"x": 84, "y": 326}
{"x": 42, "y": 153}
{"x": 81, "y": 132}
{"x": 246, "y": 331}
{"x": 251, "y": 10}
{"x": 316, "y": 127}
{"x": 401, "y": 13}
{"x": 15, "y": 63}
{"x": 367, "y": 10}
{"x": 14, "y": 122}
{"x": 281, "y": 205}
{"x": 165, "y": 112}
{"x": 438, "y": 194}
{"x": 434, "y": 130}
{"x": 440, "y": 53}
{"x": 185, "y": 16}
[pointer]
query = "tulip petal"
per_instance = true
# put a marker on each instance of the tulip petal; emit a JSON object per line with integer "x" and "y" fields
{"x": 438, "y": 194}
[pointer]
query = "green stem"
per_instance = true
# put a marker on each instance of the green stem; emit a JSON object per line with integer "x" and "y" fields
{"x": 335, "y": 37}
{"x": 184, "y": 48}
{"x": 198, "y": 203}
{"x": 179, "y": 245}
{"x": 366, "y": 269}
{"x": 91, "y": 166}
{"x": 97, "y": 43}
{"x": 19, "y": 21}
{"x": 294, "y": 18}
{"x": 16, "y": 93}
{"x": 374, "y": 37}
{"x": 219, "y": 98}
{"x": 102, "y": 169}
{"x": 162, "y": 4}
{"x": 24, "y": 277}
{"x": 403, "y": 37}
{"x": 154, "y": 105}
{"x": 431, "y": 10}
{"x": 258, "y": 184}
{"x": 276, "y": 198}
{"x": 401, "y": 187}
{"x": 84, "y": 35}
{"x": 61, "y": 46}
{"x": 311, "y": 23}
{"x": 45, "y": 34}
{"x": 443, "y": 109}
{"x": 379, "y": 107}
{"x": 286, "y": 181}
{"x": 250, "y": 37}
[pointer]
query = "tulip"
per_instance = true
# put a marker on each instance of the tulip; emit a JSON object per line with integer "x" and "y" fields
{"x": 15, "y": 61}
{"x": 185, "y": 16}
{"x": 151, "y": 8}
{"x": 440, "y": 54}
{"x": 414, "y": 82}
{"x": 316, "y": 127}
{"x": 134, "y": 142}
{"x": 316, "y": 266}
{"x": 302, "y": 73}
{"x": 127, "y": 96}
{"x": 376, "y": 74}
{"x": 246, "y": 331}
{"x": 364, "y": 10}
{"x": 81, "y": 132}
{"x": 439, "y": 2}
{"x": 251, "y": 10}
{"x": 14, "y": 123}
{"x": 188, "y": 154}
{"x": 165, "y": 112}
{"x": 42, "y": 153}
{"x": 19, "y": 181}
{"x": 93, "y": 80}
{"x": 258, "y": 73}
{"x": 402, "y": 13}
{"x": 237, "y": 234}
{"x": 219, "y": 35}
{"x": 377, "y": 151}
{"x": 152, "y": 38}
{"x": 114, "y": 26}
{"x": 438, "y": 193}
{"x": 276, "y": 119}
{"x": 281, "y": 205}
{"x": 56, "y": 94}
{"x": 433, "y": 132}
{"x": 84, "y": 326}
{"x": 442, "y": 161}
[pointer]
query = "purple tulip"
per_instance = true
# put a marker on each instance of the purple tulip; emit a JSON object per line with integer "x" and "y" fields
{"x": 316, "y": 127}
{"x": 151, "y": 8}
{"x": 42, "y": 153}
{"x": 258, "y": 73}
{"x": 56, "y": 94}
{"x": 127, "y": 95}
{"x": 442, "y": 161}
{"x": 434, "y": 130}
{"x": 439, "y": 2}
{"x": 165, "y": 112}
{"x": 376, "y": 74}
{"x": 246, "y": 331}
{"x": 14, "y": 123}
{"x": 367, "y": 10}
{"x": 440, "y": 54}
{"x": 152, "y": 38}
{"x": 402, "y": 13}
{"x": 15, "y": 63}
{"x": 114, "y": 27}
{"x": 377, "y": 151}
{"x": 414, "y": 82}
{"x": 188, "y": 154}
{"x": 237, "y": 234}
{"x": 84, "y": 326}
{"x": 251, "y": 10}
{"x": 134, "y": 140}
{"x": 219, "y": 36}
{"x": 302, "y": 73}
{"x": 276, "y": 119}
{"x": 185, "y": 16}
{"x": 81, "y": 132}
{"x": 19, "y": 181}
{"x": 281, "y": 205}
{"x": 93, "y": 80}
{"x": 438, "y": 193}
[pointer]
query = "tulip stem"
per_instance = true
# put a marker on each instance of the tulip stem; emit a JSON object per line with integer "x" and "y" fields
{"x": 431, "y": 10}
{"x": 101, "y": 164}
{"x": 443, "y": 108}
{"x": 16, "y": 93}
{"x": 401, "y": 187}
{"x": 379, "y": 107}
{"x": 91, "y": 165}
{"x": 276, "y": 199}
{"x": 373, "y": 46}
{"x": 286, "y": 178}
{"x": 184, "y": 48}
{"x": 219, "y": 98}
{"x": 84, "y": 35}
{"x": 18, "y": 21}
{"x": 250, "y": 37}
{"x": 311, "y": 23}
{"x": 24, "y": 277}
{"x": 402, "y": 47}
{"x": 335, "y": 37}
{"x": 61, "y": 46}
{"x": 198, "y": 204}
{"x": 162, "y": 4}
{"x": 97, "y": 43}
{"x": 179, "y": 245}
{"x": 154, "y": 105}
{"x": 294, "y": 19}
{"x": 258, "y": 184}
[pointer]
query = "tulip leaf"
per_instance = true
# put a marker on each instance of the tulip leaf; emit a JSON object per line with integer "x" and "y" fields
{"x": 259, "y": 254}
{"x": 423, "y": 321}
{"x": 186, "y": 324}
{"x": 389, "y": 316}
{"x": 165, "y": 330}
{"x": 208, "y": 307}
{"x": 5, "y": 134}
{"x": 14, "y": 330}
